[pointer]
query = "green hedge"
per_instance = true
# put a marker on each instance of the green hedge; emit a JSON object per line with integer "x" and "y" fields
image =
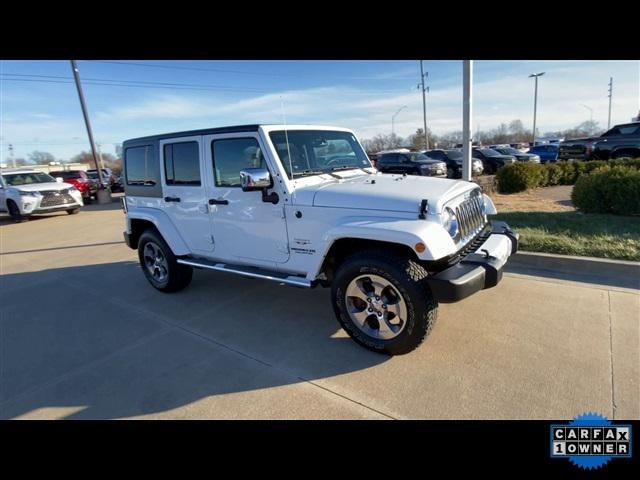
{"x": 608, "y": 190}
{"x": 522, "y": 176}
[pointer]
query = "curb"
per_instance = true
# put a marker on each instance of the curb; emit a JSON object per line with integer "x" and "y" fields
{"x": 600, "y": 267}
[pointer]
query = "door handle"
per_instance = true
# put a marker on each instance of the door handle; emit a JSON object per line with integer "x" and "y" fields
{"x": 213, "y": 201}
{"x": 171, "y": 199}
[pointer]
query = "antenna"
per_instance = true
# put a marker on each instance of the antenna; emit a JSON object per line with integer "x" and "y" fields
{"x": 286, "y": 136}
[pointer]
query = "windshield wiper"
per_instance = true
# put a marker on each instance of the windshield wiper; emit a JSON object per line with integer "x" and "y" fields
{"x": 344, "y": 167}
{"x": 305, "y": 173}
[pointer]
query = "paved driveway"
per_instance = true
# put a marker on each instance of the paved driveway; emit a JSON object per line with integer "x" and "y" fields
{"x": 84, "y": 336}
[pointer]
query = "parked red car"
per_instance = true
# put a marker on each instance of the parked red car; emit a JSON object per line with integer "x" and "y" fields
{"x": 80, "y": 180}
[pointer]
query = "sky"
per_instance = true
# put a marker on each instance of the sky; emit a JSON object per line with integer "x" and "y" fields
{"x": 39, "y": 107}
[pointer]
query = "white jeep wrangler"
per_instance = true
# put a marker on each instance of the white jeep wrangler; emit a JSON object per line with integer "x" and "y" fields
{"x": 302, "y": 205}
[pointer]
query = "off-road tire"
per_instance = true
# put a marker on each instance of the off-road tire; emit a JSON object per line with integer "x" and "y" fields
{"x": 409, "y": 278}
{"x": 14, "y": 212}
{"x": 179, "y": 276}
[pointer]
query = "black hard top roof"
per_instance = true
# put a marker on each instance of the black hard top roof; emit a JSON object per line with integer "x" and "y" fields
{"x": 189, "y": 133}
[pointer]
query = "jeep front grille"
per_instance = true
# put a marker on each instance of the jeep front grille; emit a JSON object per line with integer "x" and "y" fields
{"x": 470, "y": 217}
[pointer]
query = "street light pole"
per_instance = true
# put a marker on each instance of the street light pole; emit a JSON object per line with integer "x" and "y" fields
{"x": 424, "y": 104}
{"x": 103, "y": 195}
{"x": 393, "y": 117}
{"x": 590, "y": 109}
{"x": 535, "y": 103}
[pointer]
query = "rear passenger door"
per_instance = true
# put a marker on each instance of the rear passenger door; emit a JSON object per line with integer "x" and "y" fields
{"x": 184, "y": 198}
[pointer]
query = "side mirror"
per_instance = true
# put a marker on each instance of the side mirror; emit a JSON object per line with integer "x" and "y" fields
{"x": 59, "y": 179}
{"x": 252, "y": 179}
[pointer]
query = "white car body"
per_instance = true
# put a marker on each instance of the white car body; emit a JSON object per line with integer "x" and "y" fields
{"x": 391, "y": 246}
{"x": 37, "y": 198}
{"x": 294, "y": 235}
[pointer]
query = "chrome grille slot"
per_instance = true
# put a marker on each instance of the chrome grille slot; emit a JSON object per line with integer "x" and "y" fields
{"x": 470, "y": 217}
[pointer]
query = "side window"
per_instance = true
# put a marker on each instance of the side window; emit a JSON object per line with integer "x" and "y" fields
{"x": 182, "y": 163}
{"x": 138, "y": 165}
{"x": 232, "y": 155}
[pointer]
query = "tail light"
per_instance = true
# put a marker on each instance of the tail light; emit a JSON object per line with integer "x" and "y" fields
{"x": 589, "y": 148}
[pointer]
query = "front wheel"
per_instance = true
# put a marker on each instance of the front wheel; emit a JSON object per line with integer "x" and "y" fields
{"x": 384, "y": 302}
{"x": 14, "y": 212}
{"x": 160, "y": 265}
{"x": 73, "y": 211}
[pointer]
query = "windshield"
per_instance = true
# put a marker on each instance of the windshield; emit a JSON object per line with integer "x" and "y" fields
{"x": 508, "y": 151}
{"x": 489, "y": 152}
{"x": 93, "y": 175}
{"x": 318, "y": 151}
{"x": 27, "y": 178}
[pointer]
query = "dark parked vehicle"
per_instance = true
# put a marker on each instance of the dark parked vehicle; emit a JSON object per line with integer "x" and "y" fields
{"x": 521, "y": 157}
{"x": 411, "y": 163}
{"x": 622, "y": 141}
{"x": 547, "y": 153}
{"x": 492, "y": 160}
{"x": 453, "y": 159}
{"x": 79, "y": 179}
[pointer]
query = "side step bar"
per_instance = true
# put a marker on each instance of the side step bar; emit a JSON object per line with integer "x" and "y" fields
{"x": 248, "y": 272}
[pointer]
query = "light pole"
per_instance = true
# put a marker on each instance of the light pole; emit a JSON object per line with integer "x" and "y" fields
{"x": 535, "y": 102}
{"x": 590, "y": 109}
{"x": 393, "y": 117}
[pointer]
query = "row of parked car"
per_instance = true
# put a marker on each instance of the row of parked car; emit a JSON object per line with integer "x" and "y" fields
{"x": 621, "y": 141}
{"x": 88, "y": 182}
{"x": 448, "y": 163}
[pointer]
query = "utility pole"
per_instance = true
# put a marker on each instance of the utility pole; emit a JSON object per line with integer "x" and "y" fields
{"x": 424, "y": 103}
{"x": 610, "y": 95}
{"x": 535, "y": 103}
{"x": 103, "y": 195}
{"x": 467, "y": 112}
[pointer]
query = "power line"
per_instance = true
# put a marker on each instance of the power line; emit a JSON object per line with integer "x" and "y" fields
{"x": 163, "y": 85}
{"x": 240, "y": 72}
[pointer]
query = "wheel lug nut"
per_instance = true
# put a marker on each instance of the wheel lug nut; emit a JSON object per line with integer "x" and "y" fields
{"x": 369, "y": 299}
{"x": 370, "y": 309}
{"x": 379, "y": 314}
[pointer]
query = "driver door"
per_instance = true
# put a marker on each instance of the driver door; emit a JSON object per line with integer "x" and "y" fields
{"x": 244, "y": 227}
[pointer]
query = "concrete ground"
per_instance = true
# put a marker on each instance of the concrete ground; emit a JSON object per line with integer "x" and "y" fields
{"x": 83, "y": 335}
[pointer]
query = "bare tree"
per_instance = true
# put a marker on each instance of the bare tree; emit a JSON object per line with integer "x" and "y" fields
{"x": 41, "y": 158}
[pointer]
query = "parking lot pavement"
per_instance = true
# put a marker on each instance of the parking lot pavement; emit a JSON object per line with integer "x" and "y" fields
{"x": 83, "y": 335}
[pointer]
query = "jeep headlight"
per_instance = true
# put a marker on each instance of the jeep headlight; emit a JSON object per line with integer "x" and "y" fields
{"x": 450, "y": 222}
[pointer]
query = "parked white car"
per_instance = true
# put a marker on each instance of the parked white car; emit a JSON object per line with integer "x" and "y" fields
{"x": 302, "y": 205}
{"x": 24, "y": 192}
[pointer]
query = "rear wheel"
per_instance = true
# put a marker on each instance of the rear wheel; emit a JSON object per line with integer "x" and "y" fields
{"x": 160, "y": 265}
{"x": 384, "y": 302}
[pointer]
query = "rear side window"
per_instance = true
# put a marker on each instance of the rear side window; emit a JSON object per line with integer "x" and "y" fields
{"x": 138, "y": 165}
{"x": 182, "y": 163}
{"x": 232, "y": 155}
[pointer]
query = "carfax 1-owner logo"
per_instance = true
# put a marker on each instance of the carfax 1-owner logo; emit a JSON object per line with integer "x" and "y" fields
{"x": 590, "y": 441}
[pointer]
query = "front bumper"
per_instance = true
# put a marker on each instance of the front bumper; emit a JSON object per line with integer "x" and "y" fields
{"x": 478, "y": 270}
